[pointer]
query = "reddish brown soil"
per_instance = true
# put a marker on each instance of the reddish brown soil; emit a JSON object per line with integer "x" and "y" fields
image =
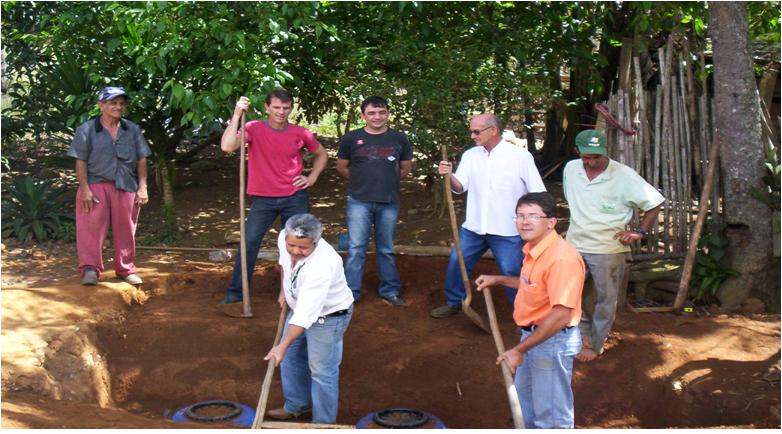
{"x": 112, "y": 356}
{"x": 176, "y": 349}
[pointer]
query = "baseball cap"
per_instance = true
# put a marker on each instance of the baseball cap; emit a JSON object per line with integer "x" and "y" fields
{"x": 591, "y": 142}
{"x": 111, "y": 92}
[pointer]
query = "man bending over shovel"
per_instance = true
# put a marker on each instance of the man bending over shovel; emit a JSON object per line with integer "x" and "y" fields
{"x": 321, "y": 305}
{"x": 548, "y": 309}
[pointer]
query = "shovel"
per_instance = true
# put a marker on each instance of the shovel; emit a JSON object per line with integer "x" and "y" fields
{"x": 246, "y": 310}
{"x": 231, "y": 309}
{"x": 510, "y": 387}
{"x": 470, "y": 312}
{"x": 260, "y": 410}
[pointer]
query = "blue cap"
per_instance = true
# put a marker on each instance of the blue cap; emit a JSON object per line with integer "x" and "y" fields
{"x": 111, "y": 92}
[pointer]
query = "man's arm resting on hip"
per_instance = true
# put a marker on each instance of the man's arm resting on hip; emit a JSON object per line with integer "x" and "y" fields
{"x": 342, "y": 168}
{"x": 405, "y": 167}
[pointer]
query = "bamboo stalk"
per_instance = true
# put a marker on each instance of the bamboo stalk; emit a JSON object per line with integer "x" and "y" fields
{"x": 686, "y": 160}
{"x": 677, "y": 169}
{"x": 658, "y": 110}
{"x": 643, "y": 132}
{"x": 703, "y": 116}
{"x": 666, "y": 139}
{"x": 642, "y": 139}
{"x": 689, "y": 261}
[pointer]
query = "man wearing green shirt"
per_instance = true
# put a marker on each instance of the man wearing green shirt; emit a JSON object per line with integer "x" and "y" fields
{"x": 602, "y": 195}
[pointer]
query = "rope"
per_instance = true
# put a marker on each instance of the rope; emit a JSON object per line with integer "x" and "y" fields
{"x": 603, "y": 109}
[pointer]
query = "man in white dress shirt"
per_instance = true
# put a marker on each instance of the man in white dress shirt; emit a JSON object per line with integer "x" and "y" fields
{"x": 321, "y": 305}
{"x": 495, "y": 174}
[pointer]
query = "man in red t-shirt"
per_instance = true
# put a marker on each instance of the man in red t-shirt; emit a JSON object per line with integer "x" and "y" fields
{"x": 274, "y": 173}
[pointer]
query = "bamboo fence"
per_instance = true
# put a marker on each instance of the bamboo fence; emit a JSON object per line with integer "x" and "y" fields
{"x": 672, "y": 141}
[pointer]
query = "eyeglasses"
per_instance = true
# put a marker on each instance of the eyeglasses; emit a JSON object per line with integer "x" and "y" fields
{"x": 532, "y": 218}
{"x": 477, "y": 132}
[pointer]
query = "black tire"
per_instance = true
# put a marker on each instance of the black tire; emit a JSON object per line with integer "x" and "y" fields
{"x": 235, "y": 410}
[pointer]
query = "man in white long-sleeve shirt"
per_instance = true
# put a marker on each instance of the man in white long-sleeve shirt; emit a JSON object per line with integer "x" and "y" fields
{"x": 321, "y": 305}
{"x": 494, "y": 174}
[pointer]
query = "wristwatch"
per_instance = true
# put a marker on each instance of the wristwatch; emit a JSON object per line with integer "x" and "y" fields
{"x": 641, "y": 231}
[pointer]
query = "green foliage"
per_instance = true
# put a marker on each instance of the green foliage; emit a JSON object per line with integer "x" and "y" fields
{"x": 770, "y": 194}
{"x": 169, "y": 230}
{"x": 708, "y": 273}
{"x": 33, "y": 210}
{"x": 66, "y": 232}
{"x": 438, "y": 63}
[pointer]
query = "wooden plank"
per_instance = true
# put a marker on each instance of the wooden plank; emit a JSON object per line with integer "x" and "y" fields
{"x": 270, "y": 424}
{"x": 653, "y": 309}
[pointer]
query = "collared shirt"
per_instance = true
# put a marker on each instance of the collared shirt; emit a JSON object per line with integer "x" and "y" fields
{"x": 494, "y": 181}
{"x": 604, "y": 206}
{"x": 553, "y": 274}
{"x": 316, "y": 285}
{"x": 109, "y": 159}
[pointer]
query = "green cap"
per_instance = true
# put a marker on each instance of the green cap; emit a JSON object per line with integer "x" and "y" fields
{"x": 591, "y": 142}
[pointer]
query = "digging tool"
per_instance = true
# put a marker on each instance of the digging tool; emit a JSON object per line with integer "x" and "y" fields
{"x": 260, "y": 410}
{"x": 470, "y": 312}
{"x": 510, "y": 387}
{"x": 246, "y": 310}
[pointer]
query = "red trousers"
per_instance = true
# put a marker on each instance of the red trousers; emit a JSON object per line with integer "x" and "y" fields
{"x": 115, "y": 208}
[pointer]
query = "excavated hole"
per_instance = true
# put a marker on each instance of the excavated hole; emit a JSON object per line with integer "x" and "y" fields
{"x": 178, "y": 349}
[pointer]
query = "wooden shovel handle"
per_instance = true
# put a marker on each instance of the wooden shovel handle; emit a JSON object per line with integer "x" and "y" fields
{"x": 246, "y": 309}
{"x": 260, "y": 410}
{"x": 455, "y": 231}
{"x": 510, "y": 386}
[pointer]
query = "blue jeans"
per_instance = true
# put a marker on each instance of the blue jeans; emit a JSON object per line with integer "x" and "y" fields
{"x": 543, "y": 381}
{"x": 263, "y": 212}
{"x": 507, "y": 254}
{"x": 310, "y": 368}
{"x": 361, "y": 216}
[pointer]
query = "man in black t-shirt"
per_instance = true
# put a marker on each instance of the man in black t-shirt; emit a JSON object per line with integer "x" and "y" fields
{"x": 374, "y": 159}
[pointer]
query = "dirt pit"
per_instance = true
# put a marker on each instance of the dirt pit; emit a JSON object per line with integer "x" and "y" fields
{"x": 167, "y": 346}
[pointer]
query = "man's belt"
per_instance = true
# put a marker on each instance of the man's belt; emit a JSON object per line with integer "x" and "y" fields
{"x": 337, "y": 313}
{"x": 532, "y": 327}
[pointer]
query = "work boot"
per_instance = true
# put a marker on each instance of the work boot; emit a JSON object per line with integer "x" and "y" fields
{"x": 90, "y": 277}
{"x": 230, "y": 299}
{"x": 132, "y": 278}
{"x": 282, "y": 414}
{"x": 446, "y": 311}
{"x": 394, "y": 300}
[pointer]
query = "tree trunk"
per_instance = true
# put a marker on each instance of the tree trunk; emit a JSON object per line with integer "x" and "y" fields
{"x": 167, "y": 183}
{"x": 552, "y": 143}
{"x": 738, "y": 133}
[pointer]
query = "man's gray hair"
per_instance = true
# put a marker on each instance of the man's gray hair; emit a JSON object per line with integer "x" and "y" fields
{"x": 304, "y": 226}
{"x": 494, "y": 121}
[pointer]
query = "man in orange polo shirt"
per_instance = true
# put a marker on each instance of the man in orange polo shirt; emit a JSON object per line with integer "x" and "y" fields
{"x": 548, "y": 309}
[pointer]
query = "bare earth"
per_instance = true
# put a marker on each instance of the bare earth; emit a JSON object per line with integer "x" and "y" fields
{"x": 113, "y": 356}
